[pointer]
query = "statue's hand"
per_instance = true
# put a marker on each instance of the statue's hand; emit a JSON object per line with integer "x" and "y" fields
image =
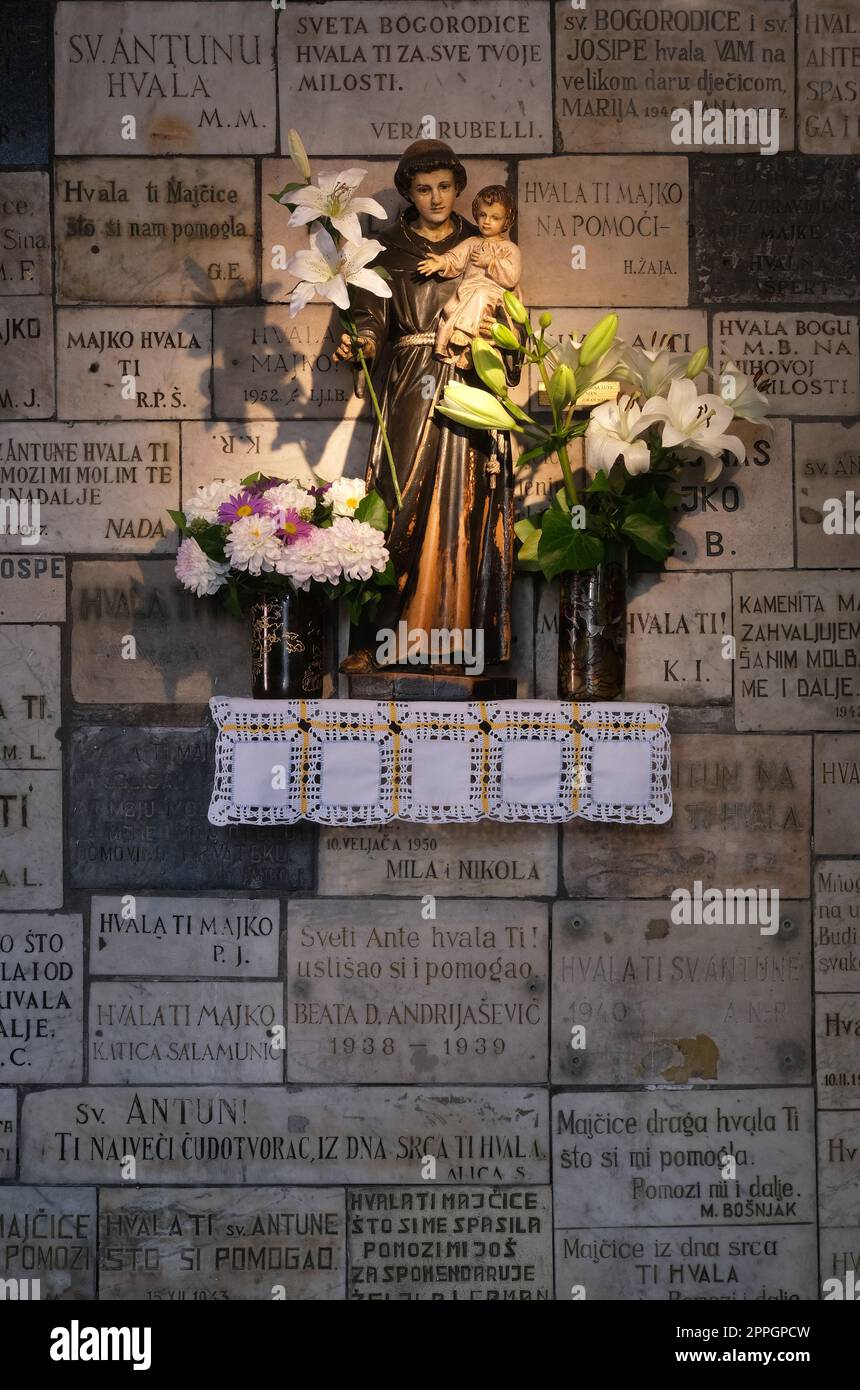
{"x": 345, "y": 351}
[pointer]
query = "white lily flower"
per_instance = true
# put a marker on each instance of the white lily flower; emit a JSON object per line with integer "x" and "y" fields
{"x": 613, "y": 430}
{"x": 693, "y": 424}
{"x": 741, "y": 393}
{"x": 335, "y": 199}
{"x": 327, "y": 269}
{"x": 651, "y": 372}
{"x": 565, "y": 353}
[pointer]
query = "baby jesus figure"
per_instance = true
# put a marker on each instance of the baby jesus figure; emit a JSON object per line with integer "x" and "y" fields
{"x": 492, "y": 264}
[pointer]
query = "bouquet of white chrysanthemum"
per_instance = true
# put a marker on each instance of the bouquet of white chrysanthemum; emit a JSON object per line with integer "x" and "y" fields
{"x": 264, "y": 536}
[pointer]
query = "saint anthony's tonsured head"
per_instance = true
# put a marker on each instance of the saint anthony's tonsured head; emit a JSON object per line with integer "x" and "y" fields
{"x": 430, "y": 177}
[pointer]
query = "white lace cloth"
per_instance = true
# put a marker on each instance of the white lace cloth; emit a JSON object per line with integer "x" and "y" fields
{"x": 366, "y": 762}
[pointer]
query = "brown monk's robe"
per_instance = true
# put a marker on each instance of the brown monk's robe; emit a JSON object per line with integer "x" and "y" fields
{"x": 452, "y": 540}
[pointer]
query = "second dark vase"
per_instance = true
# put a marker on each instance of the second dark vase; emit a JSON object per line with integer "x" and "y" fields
{"x": 592, "y": 631}
{"x": 287, "y": 647}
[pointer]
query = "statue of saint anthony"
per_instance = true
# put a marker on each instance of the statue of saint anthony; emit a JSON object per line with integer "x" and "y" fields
{"x": 452, "y": 540}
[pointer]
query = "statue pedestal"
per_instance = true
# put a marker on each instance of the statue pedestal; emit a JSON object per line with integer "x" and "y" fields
{"x": 429, "y": 685}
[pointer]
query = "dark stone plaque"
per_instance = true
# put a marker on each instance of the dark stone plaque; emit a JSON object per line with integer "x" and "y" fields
{"x": 312, "y": 1135}
{"x": 461, "y": 1244}
{"x": 25, "y": 106}
{"x": 218, "y": 1243}
{"x": 654, "y": 1158}
{"x": 777, "y": 231}
{"x": 8, "y": 1133}
{"x": 678, "y": 1264}
{"x": 741, "y": 817}
{"x": 48, "y": 1243}
{"x": 139, "y": 803}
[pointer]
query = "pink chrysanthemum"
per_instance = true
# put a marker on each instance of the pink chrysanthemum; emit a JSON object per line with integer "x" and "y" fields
{"x": 240, "y": 505}
{"x": 292, "y": 528}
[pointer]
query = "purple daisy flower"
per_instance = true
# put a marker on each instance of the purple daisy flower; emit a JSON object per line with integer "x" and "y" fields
{"x": 263, "y": 485}
{"x": 243, "y": 503}
{"x": 292, "y": 527}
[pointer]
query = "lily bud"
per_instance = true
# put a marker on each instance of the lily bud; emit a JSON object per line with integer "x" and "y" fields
{"x": 504, "y": 337}
{"x": 518, "y": 311}
{"x": 489, "y": 365}
{"x": 545, "y": 319}
{"x": 697, "y": 363}
{"x": 475, "y": 408}
{"x": 562, "y": 386}
{"x": 599, "y": 339}
{"x": 298, "y": 153}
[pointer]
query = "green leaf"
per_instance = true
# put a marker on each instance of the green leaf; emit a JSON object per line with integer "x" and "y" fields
{"x": 618, "y": 476}
{"x": 211, "y": 542}
{"x": 599, "y": 483}
{"x": 528, "y": 551}
{"x": 598, "y": 525}
{"x": 531, "y": 455}
{"x": 373, "y": 510}
{"x": 562, "y": 549}
{"x": 648, "y": 504}
{"x": 178, "y": 519}
{"x": 251, "y": 478}
{"x": 649, "y": 535}
{"x": 380, "y": 270}
{"x": 386, "y": 578}
{"x": 524, "y": 528}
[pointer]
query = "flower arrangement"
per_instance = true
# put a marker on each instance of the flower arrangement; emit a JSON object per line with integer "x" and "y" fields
{"x": 337, "y": 257}
{"x": 643, "y": 417}
{"x": 265, "y": 536}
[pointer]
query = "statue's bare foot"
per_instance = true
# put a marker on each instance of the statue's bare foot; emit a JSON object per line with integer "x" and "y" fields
{"x": 359, "y": 663}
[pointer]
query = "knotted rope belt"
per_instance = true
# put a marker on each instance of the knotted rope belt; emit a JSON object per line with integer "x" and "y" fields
{"x": 413, "y": 340}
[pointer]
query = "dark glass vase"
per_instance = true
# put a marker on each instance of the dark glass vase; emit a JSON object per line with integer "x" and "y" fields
{"x": 592, "y": 630}
{"x": 287, "y": 647}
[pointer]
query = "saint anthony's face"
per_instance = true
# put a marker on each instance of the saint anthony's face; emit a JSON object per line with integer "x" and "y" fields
{"x": 491, "y": 219}
{"x": 433, "y": 195}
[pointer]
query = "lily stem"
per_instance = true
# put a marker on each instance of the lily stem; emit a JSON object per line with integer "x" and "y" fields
{"x": 357, "y": 348}
{"x": 567, "y": 474}
{"x": 561, "y": 447}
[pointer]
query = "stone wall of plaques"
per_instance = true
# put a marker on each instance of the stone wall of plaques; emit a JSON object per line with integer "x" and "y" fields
{"x": 417, "y": 1062}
